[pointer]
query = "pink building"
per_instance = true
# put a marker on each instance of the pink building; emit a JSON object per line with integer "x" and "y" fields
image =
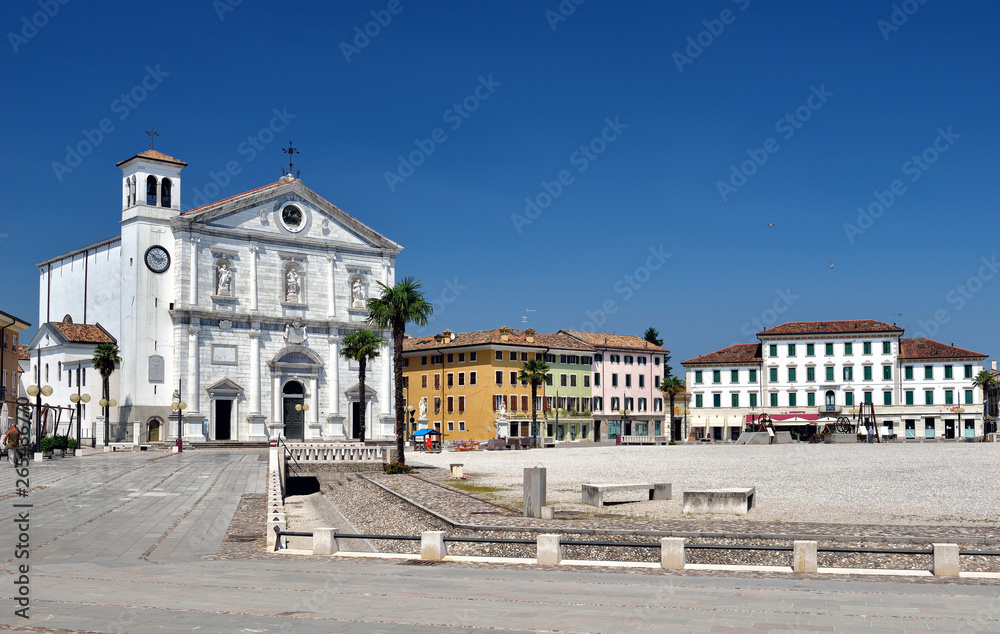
{"x": 627, "y": 372}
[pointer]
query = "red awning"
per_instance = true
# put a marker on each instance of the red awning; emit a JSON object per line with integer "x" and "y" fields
{"x": 788, "y": 418}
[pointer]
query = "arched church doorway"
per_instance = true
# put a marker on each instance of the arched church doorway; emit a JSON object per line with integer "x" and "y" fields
{"x": 153, "y": 426}
{"x": 292, "y": 394}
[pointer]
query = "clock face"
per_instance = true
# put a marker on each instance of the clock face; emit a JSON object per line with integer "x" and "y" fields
{"x": 157, "y": 259}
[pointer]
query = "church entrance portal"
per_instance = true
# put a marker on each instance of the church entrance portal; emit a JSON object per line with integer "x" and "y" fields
{"x": 356, "y": 420}
{"x": 223, "y": 419}
{"x": 292, "y": 395}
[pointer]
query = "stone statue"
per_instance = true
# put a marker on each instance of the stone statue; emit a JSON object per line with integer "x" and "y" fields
{"x": 358, "y": 292}
{"x": 423, "y": 407}
{"x": 503, "y": 409}
{"x": 295, "y": 333}
{"x": 292, "y": 285}
{"x": 225, "y": 281}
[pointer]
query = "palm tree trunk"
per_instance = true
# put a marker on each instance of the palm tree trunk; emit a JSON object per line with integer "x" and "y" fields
{"x": 362, "y": 362}
{"x": 398, "y": 328}
{"x": 534, "y": 416}
{"x": 671, "y": 419}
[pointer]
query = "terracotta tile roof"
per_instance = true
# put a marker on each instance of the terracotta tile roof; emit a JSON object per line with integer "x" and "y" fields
{"x": 22, "y": 352}
{"x": 738, "y": 353}
{"x": 930, "y": 349}
{"x": 156, "y": 156}
{"x": 624, "y": 342}
{"x": 516, "y": 338}
{"x": 83, "y": 333}
{"x": 217, "y": 203}
{"x": 829, "y": 327}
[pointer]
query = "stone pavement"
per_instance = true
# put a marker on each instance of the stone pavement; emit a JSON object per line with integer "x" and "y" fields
{"x": 119, "y": 543}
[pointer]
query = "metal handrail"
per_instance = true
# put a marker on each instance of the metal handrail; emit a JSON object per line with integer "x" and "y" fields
{"x": 288, "y": 452}
{"x": 503, "y": 540}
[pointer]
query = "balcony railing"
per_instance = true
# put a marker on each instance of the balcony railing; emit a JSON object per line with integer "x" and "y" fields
{"x": 830, "y": 409}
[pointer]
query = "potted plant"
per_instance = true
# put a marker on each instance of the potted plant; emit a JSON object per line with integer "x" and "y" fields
{"x": 71, "y": 444}
{"x": 47, "y": 446}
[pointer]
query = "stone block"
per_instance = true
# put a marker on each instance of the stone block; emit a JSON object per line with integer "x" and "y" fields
{"x": 804, "y": 556}
{"x": 534, "y": 491}
{"x": 672, "y": 556}
{"x": 458, "y": 470}
{"x": 549, "y": 550}
{"x": 946, "y": 562}
{"x": 733, "y": 500}
{"x": 432, "y": 545}
{"x": 324, "y": 541}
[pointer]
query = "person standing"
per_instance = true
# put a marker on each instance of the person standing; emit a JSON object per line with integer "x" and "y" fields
{"x": 12, "y": 441}
{"x": 871, "y": 434}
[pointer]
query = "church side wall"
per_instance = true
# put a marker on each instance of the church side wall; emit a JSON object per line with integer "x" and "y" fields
{"x": 65, "y": 281}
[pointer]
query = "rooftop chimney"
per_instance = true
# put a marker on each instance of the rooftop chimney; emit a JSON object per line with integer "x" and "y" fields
{"x": 504, "y": 333}
{"x": 529, "y": 335}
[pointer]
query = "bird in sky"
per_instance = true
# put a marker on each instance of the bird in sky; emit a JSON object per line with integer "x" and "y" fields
{"x": 831, "y": 265}
{"x": 770, "y": 224}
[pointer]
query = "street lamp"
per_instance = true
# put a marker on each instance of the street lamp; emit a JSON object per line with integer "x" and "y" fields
{"x": 410, "y": 411}
{"x": 107, "y": 404}
{"x": 625, "y": 414}
{"x": 38, "y": 393}
{"x": 78, "y": 400}
{"x": 179, "y": 407}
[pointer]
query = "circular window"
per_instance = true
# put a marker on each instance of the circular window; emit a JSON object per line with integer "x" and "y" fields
{"x": 292, "y": 218}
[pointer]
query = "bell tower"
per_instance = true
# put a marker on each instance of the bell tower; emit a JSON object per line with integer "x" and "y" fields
{"x": 151, "y": 179}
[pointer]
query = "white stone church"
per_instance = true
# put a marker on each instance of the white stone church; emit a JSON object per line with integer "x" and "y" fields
{"x": 236, "y": 308}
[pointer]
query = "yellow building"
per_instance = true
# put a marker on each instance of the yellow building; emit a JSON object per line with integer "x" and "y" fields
{"x": 467, "y": 378}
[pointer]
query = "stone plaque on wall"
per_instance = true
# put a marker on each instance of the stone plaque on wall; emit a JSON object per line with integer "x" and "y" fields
{"x": 223, "y": 355}
{"x": 156, "y": 371}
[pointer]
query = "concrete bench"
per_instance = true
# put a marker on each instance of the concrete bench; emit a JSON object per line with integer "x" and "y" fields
{"x": 734, "y": 500}
{"x": 644, "y": 440}
{"x": 593, "y": 494}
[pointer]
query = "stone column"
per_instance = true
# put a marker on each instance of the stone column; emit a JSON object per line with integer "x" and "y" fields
{"x": 194, "y": 381}
{"x": 193, "y": 282}
{"x": 332, "y": 259}
{"x": 388, "y": 408}
{"x": 277, "y": 425}
{"x": 253, "y": 278}
{"x": 255, "y": 368}
{"x": 335, "y": 374}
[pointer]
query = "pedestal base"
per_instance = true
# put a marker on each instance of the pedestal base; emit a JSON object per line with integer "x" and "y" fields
{"x": 257, "y": 428}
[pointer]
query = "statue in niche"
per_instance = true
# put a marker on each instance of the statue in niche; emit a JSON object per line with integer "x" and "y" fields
{"x": 358, "y": 292}
{"x": 423, "y": 407}
{"x": 295, "y": 333}
{"x": 503, "y": 409}
{"x": 292, "y": 284}
{"x": 224, "y": 274}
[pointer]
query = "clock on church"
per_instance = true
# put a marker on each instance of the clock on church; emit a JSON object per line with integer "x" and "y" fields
{"x": 157, "y": 259}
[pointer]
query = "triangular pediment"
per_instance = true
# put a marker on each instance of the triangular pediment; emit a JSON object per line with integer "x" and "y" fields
{"x": 265, "y": 212}
{"x": 226, "y": 387}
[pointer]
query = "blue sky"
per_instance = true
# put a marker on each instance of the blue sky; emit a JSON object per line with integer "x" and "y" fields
{"x": 657, "y": 140}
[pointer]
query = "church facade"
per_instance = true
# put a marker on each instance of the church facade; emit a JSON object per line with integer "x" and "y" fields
{"x": 236, "y": 309}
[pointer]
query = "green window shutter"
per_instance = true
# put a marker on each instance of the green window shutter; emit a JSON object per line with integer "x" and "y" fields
{"x": 791, "y": 349}
{"x": 908, "y": 372}
{"x": 697, "y": 376}
{"x": 968, "y": 371}
{"x": 810, "y": 349}
{"x": 949, "y": 397}
{"x": 811, "y": 399}
{"x": 829, "y": 374}
{"x": 868, "y": 397}
{"x": 773, "y": 350}
{"x": 697, "y": 400}
{"x": 774, "y": 399}
{"x": 810, "y": 374}
{"x": 736, "y": 400}
{"x": 887, "y": 398}
{"x": 947, "y": 372}
{"x": 774, "y": 375}
{"x": 886, "y": 347}
{"x": 848, "y": 348}
{"x": 753, "y": 376}
{"x": 791, "y": 399}
{"x": 716, "y": 400}
{"x": 791, "y": 375}
{"x": 968, "y": 397}
{"x": 753, "y": 400}
{"x": 829, "y": 349}
{"x": 716, "y": 376}
{"x": 928, "y": 372}
{"x": 867, "y": 347}
{"x": 848, "y": 398}
{"x": 734, "y": 376}
{"x": 909, "y": 397}
{"x": 886, "y": 372}
{"x": 928, "y": 397}
{"x": 868, "y": 373}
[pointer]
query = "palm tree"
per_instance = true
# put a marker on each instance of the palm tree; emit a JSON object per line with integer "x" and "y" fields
{"x": 399, "y": 305}
{"x": 533, "y": 372}
{"x": 984, "y": 381}
{"x": 360, "y": 346}
{"x": 106, "y": 357}
{"x": 672, "y": 386}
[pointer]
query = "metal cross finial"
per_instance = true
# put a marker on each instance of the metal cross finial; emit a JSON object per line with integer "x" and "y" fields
{"x": 152, "y": 134}
{"x": 290, "y": 151}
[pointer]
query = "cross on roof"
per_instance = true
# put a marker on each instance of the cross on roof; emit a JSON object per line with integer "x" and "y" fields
{"x": 152, "y": 133}
{"x": 290, "y": 151}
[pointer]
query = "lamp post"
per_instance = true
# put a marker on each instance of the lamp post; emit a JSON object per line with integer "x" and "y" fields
{"x": 106, "y": 404}
{"x": 38, "y": 392}
{"x": 178, "y": 407}
{"x": 302, "y": 407}
{"x": 78, "y": 400}
{"x": 410, "y": 411}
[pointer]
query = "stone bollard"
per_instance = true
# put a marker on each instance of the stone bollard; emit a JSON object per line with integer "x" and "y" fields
{"x": 672, "y": 555}
{"x": 804, "y": 557}
{"x": 324, "y": 541}
{"x": 136, "y": 432}
{"x": 272, "y": 537}
{"x": 458, "y": 470}
{"x": 548, "y": 513}
{"x": 534, "y": 491}
{"x": 946, "y": 560}
{"x": 549, "y": 550}
{"x": 432, "y": 546}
